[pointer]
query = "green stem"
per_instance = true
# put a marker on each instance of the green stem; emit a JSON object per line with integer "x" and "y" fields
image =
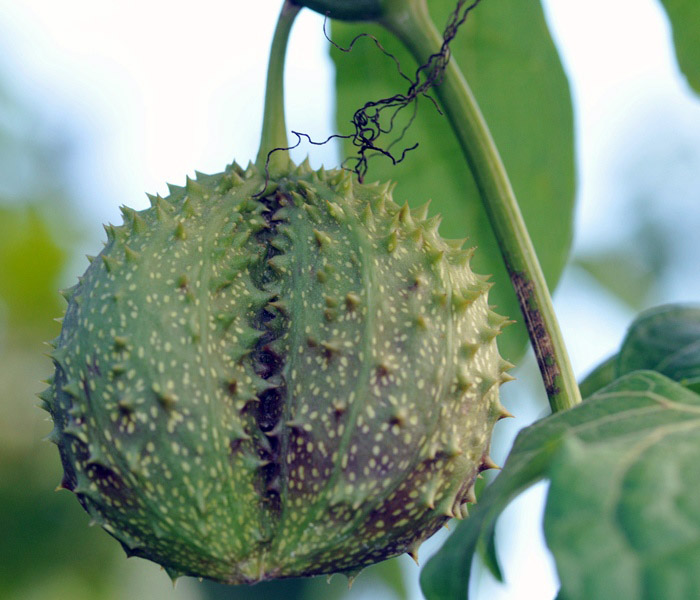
{"x": 346, "y": 10}
{"x": 410, "y": 22}
{"x": 274, "y": 131}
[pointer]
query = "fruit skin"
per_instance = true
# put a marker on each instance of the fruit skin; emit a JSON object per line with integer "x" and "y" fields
{"x": 299, "y": 383}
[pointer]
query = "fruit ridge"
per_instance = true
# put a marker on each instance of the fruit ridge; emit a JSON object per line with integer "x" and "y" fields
{"x": 299, "y": 383}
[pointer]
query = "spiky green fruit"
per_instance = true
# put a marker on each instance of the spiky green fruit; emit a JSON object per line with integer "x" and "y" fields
{"x": 299, "y": 383}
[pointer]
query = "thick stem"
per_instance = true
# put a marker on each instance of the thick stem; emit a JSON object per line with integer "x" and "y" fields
{"x": 274, "y": 131}
{"x": 354, "y": 10}
{"x": 410, "y": 22}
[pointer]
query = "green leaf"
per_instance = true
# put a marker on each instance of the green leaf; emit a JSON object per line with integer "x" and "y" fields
{"x": 446, "y": 575}
{"x": 604, "y": 374}
{"x": 506, "y": 52}
{"x": 622, "y": 517}
{"x": 685, "y": 16}
{"x": 643, "y": 410}
{"x": 665, "y": 339}
{"x": 489, "y": 556}
{"x": 46, "y": 533}
{"x": 30, "y": 261}
{"x": 389, "y": 572}
{"x": 622, "y": 272}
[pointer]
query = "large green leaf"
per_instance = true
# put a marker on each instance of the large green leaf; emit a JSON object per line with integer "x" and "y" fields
{"x": 665, "y": 339}
{"x": 608, "y": 459}
{"x": 685, "y": 20}
{"x": 622, "y": 517}
{"x": 507, "y": 55}
{"x": 604, "y": 374}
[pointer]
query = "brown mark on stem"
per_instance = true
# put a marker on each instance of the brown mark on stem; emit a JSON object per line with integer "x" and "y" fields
{"x": 541, "y": 341}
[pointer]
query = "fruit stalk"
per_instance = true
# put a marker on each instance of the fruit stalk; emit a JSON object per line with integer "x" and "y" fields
{"x": 274, "y": 131}
{"x": 410, "y": 22}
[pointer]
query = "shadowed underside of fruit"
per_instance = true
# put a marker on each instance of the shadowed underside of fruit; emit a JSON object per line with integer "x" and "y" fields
{"x": 297, "y": 383}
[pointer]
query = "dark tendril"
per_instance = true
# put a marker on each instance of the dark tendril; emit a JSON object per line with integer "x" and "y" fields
{"x": 298, "y": 135}
{"x": 369, "y": 121}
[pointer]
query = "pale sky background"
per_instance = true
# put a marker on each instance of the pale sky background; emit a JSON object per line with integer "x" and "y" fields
{"x": 151, "y": 90}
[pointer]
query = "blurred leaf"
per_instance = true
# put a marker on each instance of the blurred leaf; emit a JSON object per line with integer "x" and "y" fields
{"x": 632, "y": 267}
{"x": 289, "y": 589}
{"x": 489, "y": 556}
{"x": 390, "y": 573}
{"x": 47, "y": 550}
{"x": 665, "y": 339}
{"x": 387, "y": 572}
{"x": 685, "y": 20}
{"x": 45, "y": 532}
{"x": 30, "y": 262}
{"x": 506, "y": 52}
{"x": 22, "y": 424}
{"x": 604, "y": 374}
{"x": 621, "y": 272}
{"x": 622, "y": 517}
{"x": 643, "y": 410}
